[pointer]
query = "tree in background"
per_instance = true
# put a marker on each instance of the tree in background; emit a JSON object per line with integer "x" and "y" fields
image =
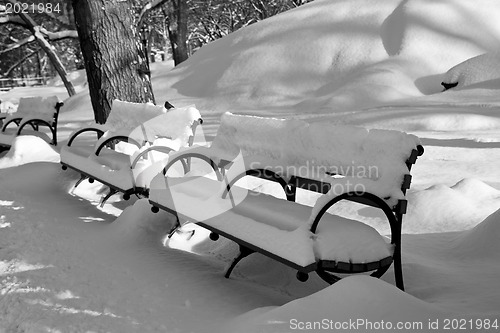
{"x": 214, "y": 19}
{"x": 174, "y": 24}
{"x": 110, "y": 33}
{"x": 115, "y": 64}
{"x": 20, "y": 31}
{"x": 189, "y": 24}
{"x": 177, "y": 25}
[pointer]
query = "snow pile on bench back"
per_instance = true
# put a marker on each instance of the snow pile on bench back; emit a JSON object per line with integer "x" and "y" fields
{"x": 373, "y": 160}
{"x": 254, "y": 136}
{"x": 175, "y": 125}
{"x": 173, "y": 130}
{"x": 127, "y": 115}
{"x": 38, "y": 106}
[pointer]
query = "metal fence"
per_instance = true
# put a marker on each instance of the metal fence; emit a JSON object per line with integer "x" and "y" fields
{"x": 9, "y": 83}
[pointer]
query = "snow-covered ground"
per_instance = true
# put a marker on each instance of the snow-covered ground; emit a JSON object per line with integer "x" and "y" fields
{"x": 68, "y": 266}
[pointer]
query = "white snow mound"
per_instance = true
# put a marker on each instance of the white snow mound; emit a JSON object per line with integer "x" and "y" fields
{"x": 482, "y": 240}
{"x": 28, "y": 149}
{"x": 441, "y": 208}
{"x": 359, "y": 295}
{"x": 338, "y": 55}
{"x": 483, "y": 68}
{"x": 137, "y": 221}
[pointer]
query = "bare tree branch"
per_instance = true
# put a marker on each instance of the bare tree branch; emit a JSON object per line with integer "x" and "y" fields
{"x": 12, "y": 19}
{"x": 52, "y": 36}
{"x": 18, "y": 44}
{"x": 58, "y": 35}
{"x": 153, "y": 4}
{"x": 61, "y": 20}
{"x": 18, "y": 63}
{"x": 34, "y": 28}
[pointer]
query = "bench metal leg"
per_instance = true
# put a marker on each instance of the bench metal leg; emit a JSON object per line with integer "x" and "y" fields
{"x": 291, "y": 192}
{"x": 379, "y": 272}
{"x": 327, "y": 277}
{"x": 82, "y": 178}
{"x": 109, "y": 195}
{"x": 398, "y": 270}
{"x": 244, "y": 252}
{"x": 175, "y": 228}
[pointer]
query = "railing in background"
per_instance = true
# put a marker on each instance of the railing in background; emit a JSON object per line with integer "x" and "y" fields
{"x": 9, "y": 83}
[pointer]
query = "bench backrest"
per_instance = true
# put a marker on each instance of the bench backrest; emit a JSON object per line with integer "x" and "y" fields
{"x": 38, "y": 106}
{"x": 177, "y": 124}
{"x": 125, "y": 116}
{"x": 318, "y": 150}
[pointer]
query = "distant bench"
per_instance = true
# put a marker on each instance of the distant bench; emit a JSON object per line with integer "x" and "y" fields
{"x": 32, "y": 114}
{"x": 371, "y": 167}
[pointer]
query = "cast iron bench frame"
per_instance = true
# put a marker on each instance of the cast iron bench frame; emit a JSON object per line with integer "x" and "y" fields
{"x": 110, "y": 143}
{"x": 32, "y": 120}
{"x": 326, "y": 269}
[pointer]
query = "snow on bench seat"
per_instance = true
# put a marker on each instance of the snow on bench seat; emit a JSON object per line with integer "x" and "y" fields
{"x": 341, "y": 162}
{"x": 274, "y": 225}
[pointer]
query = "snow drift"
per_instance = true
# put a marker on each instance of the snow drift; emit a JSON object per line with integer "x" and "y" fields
{"x": 339, "y": 55}
{"x": 475, "y": 71}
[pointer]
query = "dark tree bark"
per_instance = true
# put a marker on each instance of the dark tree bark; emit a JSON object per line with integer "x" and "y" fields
{"x": 177, "y": 26}
{"x": 116, "y": 67}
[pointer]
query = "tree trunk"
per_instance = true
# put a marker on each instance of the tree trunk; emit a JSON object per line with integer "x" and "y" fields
{"x": 177, "y": 25}
{"x": 115, "y": 65}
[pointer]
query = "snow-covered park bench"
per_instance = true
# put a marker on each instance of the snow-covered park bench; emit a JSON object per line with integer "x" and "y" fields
{"x": 371, "y": 167}
{"x": 31, "y": 114}
{"x": 134, "y": 142}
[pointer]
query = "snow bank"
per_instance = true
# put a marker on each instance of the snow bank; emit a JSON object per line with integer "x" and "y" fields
{"x": 138, "y": 222}
{"x": 78, "y": 78}
{"x": 362, "y": 298}
{"x": 441, "y": 208}
{"x": 482, "y": 240}
{"x": 62, "y": 274}
{"x": 454, "y": 122}
{"x": 480, "y": 69}
{"x": 28, "y": 149}
{"x": 337, "y": 55}
{"x": 44, "y": 181}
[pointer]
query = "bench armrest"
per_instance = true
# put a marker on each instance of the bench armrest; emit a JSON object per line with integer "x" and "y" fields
{"x": 9, "y": 120}
{"x": 110, "y": 136}
{"x": 254, "y": 166}
{"x": 97, "y": 128}
{"x": 161, "y": 149}
{"x": 199, "y": 152}
{"x": 328, "y": 200}
{"x": 34, "y": 121}
{"x": 41, "y": 118}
